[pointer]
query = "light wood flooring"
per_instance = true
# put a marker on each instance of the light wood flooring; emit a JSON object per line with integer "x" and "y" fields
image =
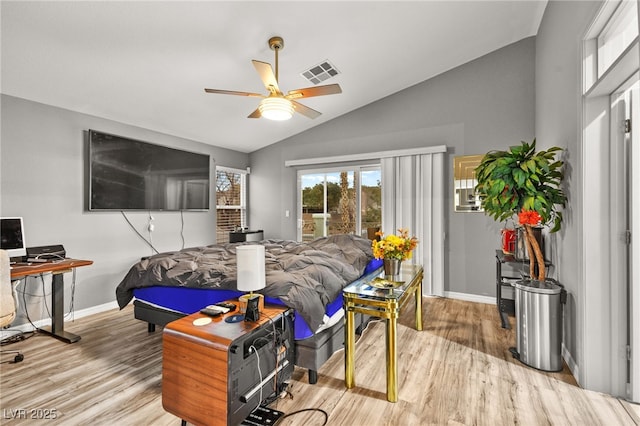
{"x": 457, "y": 371}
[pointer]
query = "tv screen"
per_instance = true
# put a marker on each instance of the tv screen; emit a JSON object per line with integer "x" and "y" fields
{"x": 127, "y": 174}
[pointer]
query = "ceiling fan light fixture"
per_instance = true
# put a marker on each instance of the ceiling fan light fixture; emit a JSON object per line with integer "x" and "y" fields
{"x": 276, "y": 105}
{"x": 278, "y": 109}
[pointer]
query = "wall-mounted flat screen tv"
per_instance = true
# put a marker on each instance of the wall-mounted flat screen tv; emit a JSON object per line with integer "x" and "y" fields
{"x": 127, "y": 174}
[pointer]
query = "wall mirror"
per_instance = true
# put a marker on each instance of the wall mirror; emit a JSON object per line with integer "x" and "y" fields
{"x": 465, "y": 198}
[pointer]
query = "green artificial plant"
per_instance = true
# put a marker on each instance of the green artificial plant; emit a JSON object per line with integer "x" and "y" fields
{"x": 524, "y": 182}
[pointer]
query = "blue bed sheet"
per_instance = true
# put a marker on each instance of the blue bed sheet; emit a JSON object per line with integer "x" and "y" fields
{"x": 189, "y": 300}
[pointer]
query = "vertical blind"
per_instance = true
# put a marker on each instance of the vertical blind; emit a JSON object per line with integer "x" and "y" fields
{"x": 413, "y": 198}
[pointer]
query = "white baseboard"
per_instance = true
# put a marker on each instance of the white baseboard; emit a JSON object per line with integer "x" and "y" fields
{"x": 470, "y": 297}
{"x": 571, "y": 363}
{"x": 96, "y": 309}
{"x": 47, "y": 321}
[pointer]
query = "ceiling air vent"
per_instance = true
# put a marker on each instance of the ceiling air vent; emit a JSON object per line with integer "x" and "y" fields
{"x": 321, "y": 72}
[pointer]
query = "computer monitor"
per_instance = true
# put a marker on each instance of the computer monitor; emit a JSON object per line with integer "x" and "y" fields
{"x": 12, "y": 236}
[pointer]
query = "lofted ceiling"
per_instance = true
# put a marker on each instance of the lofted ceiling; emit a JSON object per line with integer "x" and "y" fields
{"x": 146, "y": 63}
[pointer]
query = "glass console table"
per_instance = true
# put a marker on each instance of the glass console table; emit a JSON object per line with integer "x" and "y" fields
{"x": 381, "y": 296}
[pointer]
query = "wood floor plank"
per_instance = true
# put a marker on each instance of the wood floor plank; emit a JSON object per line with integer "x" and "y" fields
{"x": 633, "y": 410}
{"x": 457, "y": 371}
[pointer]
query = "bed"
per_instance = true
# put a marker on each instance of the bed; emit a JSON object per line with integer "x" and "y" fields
{"x": 307, "y": 277}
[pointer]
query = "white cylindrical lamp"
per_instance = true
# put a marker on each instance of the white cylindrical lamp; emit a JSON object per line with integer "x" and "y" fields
{"x": 250, "y": 260}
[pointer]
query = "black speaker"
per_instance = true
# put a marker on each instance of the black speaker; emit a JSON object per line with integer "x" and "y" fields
{"x": 252, "y": 313}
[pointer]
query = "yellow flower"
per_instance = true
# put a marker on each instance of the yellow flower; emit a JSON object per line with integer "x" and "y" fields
{"x": 394, "y": 246}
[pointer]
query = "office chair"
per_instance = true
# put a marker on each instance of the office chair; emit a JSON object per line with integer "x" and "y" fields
{"x": 8, "y": 302}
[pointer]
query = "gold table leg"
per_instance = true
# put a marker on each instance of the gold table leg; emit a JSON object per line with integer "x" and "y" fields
{"x": 392, "y": 360}
{"x": 419, "y": 306}
{"x": 349, "y": 350}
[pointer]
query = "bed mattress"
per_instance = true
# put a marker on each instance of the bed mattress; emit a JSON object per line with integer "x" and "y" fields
{"x": 306, "y": 276}
{"x": 187, "y": 300}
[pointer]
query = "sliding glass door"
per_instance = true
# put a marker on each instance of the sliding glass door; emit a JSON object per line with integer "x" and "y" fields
{"x": 338, "y": 201}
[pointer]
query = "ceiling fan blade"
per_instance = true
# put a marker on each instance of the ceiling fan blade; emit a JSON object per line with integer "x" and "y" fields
{"x": 305, "y": 110}
{"x": 267, "y": 76}
{"x": 232, "y": 92}
{"x": 308, "y": 92}
{"x": 255, "y": 114}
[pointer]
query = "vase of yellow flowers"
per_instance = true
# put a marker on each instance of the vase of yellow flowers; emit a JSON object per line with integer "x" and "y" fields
{"x": 393, "y": 249}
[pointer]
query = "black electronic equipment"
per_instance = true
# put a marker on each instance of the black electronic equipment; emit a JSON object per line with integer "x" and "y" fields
{"x": 245, "y": 235}
{"x": 230, "y": 306}
{"x": 211, "y": 311}
{"x": 263, "y": 416}
{"x": 258, "y": 362}
{"x": 252, "y": 313}
{"x": 46, "y": 253}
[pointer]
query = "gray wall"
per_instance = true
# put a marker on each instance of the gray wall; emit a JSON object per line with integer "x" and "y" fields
{"x": 43, "y": 158}
{"x": 558, "y": 122}
{"x": 483, "y": 105}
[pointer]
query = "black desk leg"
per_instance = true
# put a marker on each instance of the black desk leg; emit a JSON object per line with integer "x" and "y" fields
{"x": 504, "y": 319}
{"x": 57, "y": 312}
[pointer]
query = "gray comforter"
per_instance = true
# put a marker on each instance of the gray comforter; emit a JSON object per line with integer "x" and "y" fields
{"x": 304, "y": 276}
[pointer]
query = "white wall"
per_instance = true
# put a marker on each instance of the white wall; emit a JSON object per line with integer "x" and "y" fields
{"x": 43, "y": 178}
{"x": 482, "y": 105}
{"x": 558, "y": 122}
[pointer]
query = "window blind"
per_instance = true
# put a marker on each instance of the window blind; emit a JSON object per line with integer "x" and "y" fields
{"x": 230, "y": 202}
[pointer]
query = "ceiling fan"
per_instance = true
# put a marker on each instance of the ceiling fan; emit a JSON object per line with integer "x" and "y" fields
{"x": 276, "y": 105}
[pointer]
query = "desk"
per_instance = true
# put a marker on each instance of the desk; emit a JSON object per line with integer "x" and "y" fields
{"x": 361, "y": 296}
{"x": 57, "y": 268}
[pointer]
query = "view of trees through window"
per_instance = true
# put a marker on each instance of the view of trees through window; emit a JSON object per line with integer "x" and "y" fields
{"x": 230, "y": 202}
{"x": 341, "y": 202}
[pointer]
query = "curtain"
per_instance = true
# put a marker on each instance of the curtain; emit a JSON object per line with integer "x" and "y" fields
{"x": 413, "y": 198}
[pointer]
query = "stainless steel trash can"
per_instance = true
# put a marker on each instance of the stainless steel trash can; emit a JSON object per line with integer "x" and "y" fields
{"x": 539, "y": 323}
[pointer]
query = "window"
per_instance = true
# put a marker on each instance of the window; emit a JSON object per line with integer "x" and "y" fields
{"x": 339, "y": 201}
{"x": 610, "y": 48}
{"x": 230, "y": 201}
{"x": 618, "y": 33}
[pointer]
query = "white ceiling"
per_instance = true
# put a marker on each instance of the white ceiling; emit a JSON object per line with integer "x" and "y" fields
{"x": 146, "y": 63}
